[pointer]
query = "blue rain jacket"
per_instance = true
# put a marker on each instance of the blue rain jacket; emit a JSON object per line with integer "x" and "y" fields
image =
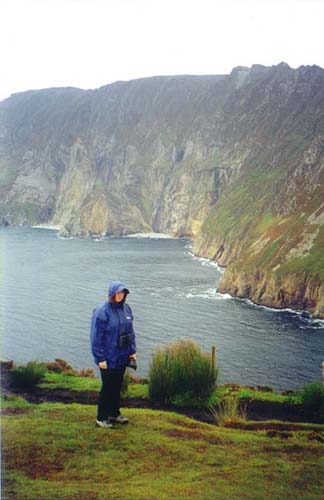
{"x": 109, "y": 322}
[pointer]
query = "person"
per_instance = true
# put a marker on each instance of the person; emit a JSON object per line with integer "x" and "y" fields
{"x": 113, "y": 347}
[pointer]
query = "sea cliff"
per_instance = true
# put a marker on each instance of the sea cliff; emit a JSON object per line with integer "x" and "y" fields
{"x": 233, "y": 161}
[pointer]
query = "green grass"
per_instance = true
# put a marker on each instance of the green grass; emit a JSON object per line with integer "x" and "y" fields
{"x": 55, "y": 451}
{"x": 312, "y": 262}
{"x": 265, "y": 222}
{"x": 75, "y": 383}
{"x": 16, "y": 402}
{"x": 135, "y": 390}
{"x": 224, "y": 391}
{"x": 246, "y": 393}
{"x": 70, "y": 382}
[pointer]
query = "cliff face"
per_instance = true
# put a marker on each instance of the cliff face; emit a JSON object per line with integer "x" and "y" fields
{"x": 127, "y": 157}
{"x": 234, "y": 161}
{"x": 268, "y": 228}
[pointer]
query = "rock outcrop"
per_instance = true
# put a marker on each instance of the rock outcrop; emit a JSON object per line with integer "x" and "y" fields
{"x": 233, "y": 161}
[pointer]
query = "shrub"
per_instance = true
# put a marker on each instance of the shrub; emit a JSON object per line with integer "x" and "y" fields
{"x": 312, "y": 396}
{"x": 181, "y": 373}
{"x": 60, "y": 366}
{"x": 86, "y": 372}
{"x": 228, "y": 411}
{"x": 26, "y": 377}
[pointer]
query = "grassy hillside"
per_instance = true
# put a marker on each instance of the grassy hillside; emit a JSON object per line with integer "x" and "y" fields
{"x": 55, "y": 451}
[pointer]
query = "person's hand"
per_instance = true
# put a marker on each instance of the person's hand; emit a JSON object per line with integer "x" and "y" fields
{"x": 132, "y": 355}
{"x": 103, "y": 365}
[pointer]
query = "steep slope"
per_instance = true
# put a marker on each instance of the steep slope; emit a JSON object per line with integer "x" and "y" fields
{"x": 123, "y": 158}
{"x": 268, "y": 229}
{"x": 234, "y": 161}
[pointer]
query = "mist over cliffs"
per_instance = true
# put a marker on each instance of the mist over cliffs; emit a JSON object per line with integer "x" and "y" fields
{"x": 234, "y": 161}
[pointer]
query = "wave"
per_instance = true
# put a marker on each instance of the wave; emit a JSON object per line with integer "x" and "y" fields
{"x": 193, "y": 293}
{"x": 211, "y": 293}
{"x": 65, "y": 237}
{"x": 153, "y": 236}
{"x": 203, "y": 260}
{"x": 48, "y": 227}
{"x": 305, "y": 316}
{"x": 315, "y": 323}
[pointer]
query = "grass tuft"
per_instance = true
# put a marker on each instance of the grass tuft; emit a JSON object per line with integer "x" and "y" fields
{"x": 229, "y": 411}
{"x": 183, "y": 374}
{"x": 26, "y": 377}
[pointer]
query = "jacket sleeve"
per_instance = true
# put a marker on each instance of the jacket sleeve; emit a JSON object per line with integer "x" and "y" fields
{"x": 98, "y": 330}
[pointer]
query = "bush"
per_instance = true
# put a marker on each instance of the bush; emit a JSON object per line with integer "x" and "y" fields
{"x": 228, "y": 411}
{"x": 312, "y": 396}
{"x": 60, "y": 366}
{"x": 86, "y": 372}
{"x": 181, "y": 373}
{"x": 26, "y": 377}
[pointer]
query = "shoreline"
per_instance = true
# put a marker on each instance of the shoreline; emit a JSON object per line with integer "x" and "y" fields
{"x": 247, "y": 300}
{"x": 203, "y": 260}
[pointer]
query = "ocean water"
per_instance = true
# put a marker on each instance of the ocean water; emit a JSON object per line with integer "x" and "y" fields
{"x": 50, "y": 285}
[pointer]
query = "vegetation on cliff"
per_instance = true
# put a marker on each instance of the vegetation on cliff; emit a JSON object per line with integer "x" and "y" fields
{"x": 234, "y": 161}
{"x": 190, "y": 382}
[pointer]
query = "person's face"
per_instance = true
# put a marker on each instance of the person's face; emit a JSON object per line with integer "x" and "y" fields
{"x": 119, "y": 296}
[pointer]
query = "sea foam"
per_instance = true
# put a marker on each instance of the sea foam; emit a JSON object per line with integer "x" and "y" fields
{"x": 203, "y": 260}
{"x": 153, "y": 236}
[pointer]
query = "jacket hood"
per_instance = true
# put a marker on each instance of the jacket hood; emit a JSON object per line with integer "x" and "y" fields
{"x": 117, "y": 286}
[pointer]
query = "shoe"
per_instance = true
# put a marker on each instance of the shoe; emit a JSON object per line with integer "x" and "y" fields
{"x": 104, "y": 423}
{"x": 120, "y": 419}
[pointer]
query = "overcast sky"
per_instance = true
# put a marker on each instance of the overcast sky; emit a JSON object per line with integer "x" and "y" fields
{"x": 89, "y": 43}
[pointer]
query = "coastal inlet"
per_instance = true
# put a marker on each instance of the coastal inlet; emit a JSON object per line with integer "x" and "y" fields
{"x": 51, "y": 285}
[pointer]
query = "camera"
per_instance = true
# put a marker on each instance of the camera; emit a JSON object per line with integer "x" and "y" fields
{"x": 132, "y": 363}
{"x": 124, "y": 340}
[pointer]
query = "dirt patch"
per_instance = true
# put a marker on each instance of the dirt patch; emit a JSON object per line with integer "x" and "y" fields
{"x": 55, "y": 412}
{"x": 187, "y": 425}
{"x": 279, "y": 434}
{"x": 14, "y": 411}
{"x": 269, "y": 426}
{"x": 34, "y": 462}
{"x": 43, "y": 470}
{"x": 316, "y": 436}
{"x": 294, "y": 449}
{"x": 271, "y": 410}
{"x": 199, "y": 436}
{"x": 183, "y": 434}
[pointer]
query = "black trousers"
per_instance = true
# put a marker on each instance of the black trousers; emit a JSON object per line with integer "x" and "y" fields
{"x": 109, "y": 397}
